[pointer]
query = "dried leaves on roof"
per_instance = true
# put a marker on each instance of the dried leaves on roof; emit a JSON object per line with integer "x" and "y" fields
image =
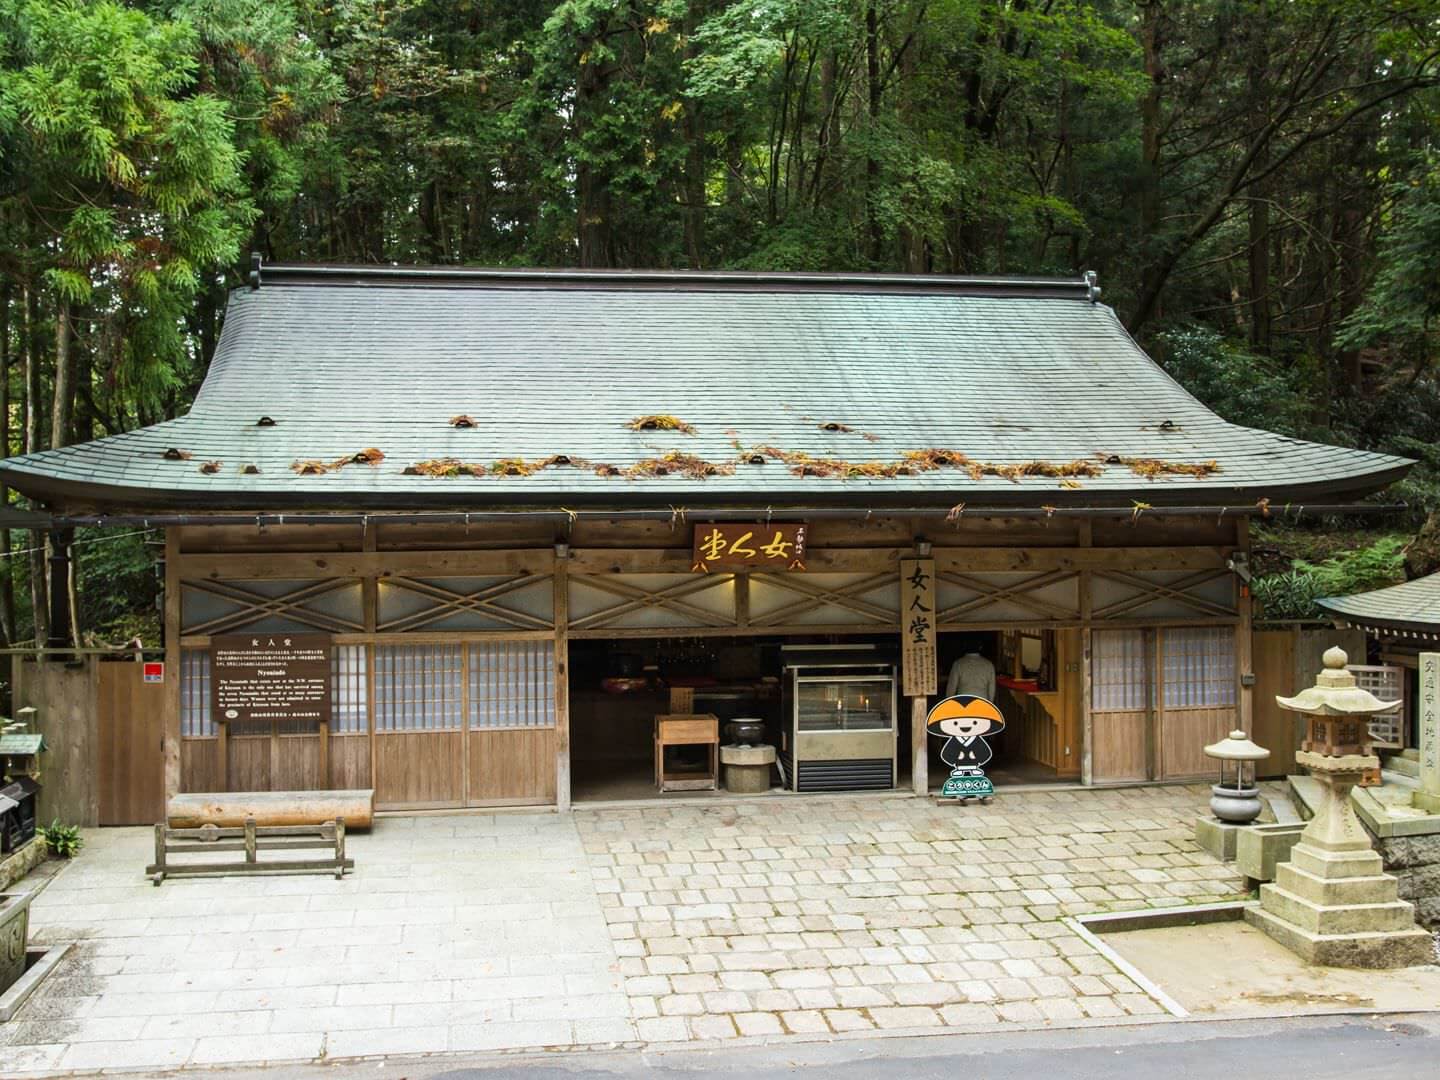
{"x": 316, "y": 467}
{"x": 913, "y": 463}
{"x": 684, "y": 464}
{"x": 1153, "y": 467}
{"x": 660, "y": 422}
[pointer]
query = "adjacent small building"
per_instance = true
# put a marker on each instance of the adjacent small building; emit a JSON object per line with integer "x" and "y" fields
{"x": 1403, "y": 621}
{"x": 512, "y": 511}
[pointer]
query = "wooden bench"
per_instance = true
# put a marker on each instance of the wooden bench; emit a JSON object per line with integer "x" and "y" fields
{"x": 252, "y": 839}
{"x": 231, "y": 809}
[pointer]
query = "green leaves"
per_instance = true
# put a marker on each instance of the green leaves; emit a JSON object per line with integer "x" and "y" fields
{"x": 133, "y": 179}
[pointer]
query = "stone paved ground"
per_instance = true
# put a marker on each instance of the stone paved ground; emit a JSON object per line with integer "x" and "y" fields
{"x": 848, "y": 915}
{"x": 813, "y": 916}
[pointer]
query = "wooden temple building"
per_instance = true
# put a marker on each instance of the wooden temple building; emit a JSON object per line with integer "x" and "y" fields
{"x": 513, "y": 510}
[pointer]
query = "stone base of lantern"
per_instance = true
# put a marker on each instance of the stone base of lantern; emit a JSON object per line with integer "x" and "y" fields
{"x": 1338, "y": 908}
{"x": 1216, "y": 836}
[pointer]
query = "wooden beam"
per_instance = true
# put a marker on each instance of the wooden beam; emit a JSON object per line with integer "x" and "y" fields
{"x": 370, "y": 615}
{"x": 1087, "y": 721}
{"x": 1244, "y": 642}
{"x": 477, "y": 562}
{"x": 1001, "y": 560}
{"x": 171, "y": 749}
{"x": 919, "y": 748}
{"x": 506, "y": 562}
{"x": 629, "y": 633}
{"x": 600, "y": 561}
{"x": 561, "y": 581}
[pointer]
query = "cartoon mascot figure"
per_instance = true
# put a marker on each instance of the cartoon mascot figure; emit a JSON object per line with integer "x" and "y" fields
{"x": 964, "y": 722}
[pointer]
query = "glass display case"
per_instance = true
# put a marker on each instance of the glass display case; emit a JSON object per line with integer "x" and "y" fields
{"x": 839, "y": 719}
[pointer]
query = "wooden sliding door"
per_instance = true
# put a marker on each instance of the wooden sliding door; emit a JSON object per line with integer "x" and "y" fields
{"x": 1158, "y": 698}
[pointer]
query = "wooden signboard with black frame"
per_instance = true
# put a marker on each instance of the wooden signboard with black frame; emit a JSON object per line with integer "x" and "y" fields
{"x": 271, "y": 687}
{"x": 735, "y": 545}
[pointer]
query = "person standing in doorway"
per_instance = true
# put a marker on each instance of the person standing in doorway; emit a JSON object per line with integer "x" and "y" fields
{"x": 972, "y": 674}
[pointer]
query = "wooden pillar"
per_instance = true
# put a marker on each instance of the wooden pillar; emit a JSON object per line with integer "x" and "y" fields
{"x": 172, "y": 662}
{"x": 919, "y": 747}
{"x": 1244, "y": 641}
{"x": 561, "y": 580}
{"x": 1087, "y": 607}
{"x": 369, "y": 609}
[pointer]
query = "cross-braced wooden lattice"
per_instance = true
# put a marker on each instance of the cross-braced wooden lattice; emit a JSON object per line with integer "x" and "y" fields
{"x": 668, "y": 598}
{"x": 1020, "y": 593}
{"x": 253, "y": 606}
{"x": 814, "y": 596}
{"x": 447, "y": 602}
{"x": 1182, "y": 592}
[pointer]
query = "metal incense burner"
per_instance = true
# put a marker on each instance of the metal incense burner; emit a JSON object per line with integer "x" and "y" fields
{"x": 1238, "y": 801}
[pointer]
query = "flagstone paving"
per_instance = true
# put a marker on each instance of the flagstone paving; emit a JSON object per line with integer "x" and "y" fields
{"x": 814, "y": 916}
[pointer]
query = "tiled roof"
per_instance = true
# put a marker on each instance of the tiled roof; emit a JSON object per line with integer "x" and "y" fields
{"x": 1412, "y": 607}
{"x": 1005, "y": 372}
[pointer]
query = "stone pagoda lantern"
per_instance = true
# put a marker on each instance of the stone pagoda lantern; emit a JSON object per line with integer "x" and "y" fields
{"x": 1332, "y": 903}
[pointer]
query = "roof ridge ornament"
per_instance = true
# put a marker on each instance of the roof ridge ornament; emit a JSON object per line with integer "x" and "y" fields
{"x": 254, "y": 276}
{"x": 1092, "y": 290}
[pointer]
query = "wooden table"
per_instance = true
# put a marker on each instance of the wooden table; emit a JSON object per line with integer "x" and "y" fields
{"x": 687, "y": 729}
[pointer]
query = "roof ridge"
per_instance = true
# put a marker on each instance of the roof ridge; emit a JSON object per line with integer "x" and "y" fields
{"x": 1081, "y": 287}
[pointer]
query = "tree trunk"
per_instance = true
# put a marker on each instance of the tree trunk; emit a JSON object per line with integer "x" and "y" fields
{"x": 592, "y": 192}
{"x": 872, "y": 164}
{"x": 7, "y": 579}
{"x": 1259, "y": 206}
{"x": 1150, "y": 120}
{"x": 39, "y": 597}
{"x": 61, "y": 405}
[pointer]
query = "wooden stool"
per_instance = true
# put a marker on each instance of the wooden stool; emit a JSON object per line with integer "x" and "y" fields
{"x": 687, "y": 729}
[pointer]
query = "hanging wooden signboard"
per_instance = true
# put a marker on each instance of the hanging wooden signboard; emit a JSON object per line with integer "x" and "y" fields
{"x": 919, "y": 669}
{"x": 271, "y": 677}
{"x": 769, "y": 547}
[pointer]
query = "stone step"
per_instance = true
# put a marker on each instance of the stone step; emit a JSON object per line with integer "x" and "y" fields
{"x": 1283, "y": 809}
{"x": 1338, "y": 919}
{"x": 1404, "y": 765}
{"x": 1411, "y": 753}
{"x": 1399, "y": 948}
{"x": 1331, "y": 865}
{"x": 1333, "y": 892}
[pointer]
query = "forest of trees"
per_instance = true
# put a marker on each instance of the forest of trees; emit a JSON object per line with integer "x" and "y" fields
{"x": 1256, "y": 182}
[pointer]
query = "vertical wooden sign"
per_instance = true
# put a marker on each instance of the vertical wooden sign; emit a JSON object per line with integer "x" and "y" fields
{"x": 919, "y": 670}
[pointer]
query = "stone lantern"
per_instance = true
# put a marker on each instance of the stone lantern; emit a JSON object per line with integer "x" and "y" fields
{"x": 1332, "y": 903}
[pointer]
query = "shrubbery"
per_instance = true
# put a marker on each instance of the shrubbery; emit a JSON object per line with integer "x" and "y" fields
{"x": 1292, "y": 595}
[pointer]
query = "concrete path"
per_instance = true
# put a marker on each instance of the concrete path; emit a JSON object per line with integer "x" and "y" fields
{"x": 769, "y": 919}
{"x": 455, "y": 933}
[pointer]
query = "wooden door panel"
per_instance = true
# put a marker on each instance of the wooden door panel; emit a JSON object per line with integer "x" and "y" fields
{"x": 1273, "y": 660}
{"x": 514, "y": 766}
{"x": 419, "y": 769}
{"x": 296, "y": 766}
{"x": 349, "y": 762}
{"x": 1184, "y": 735}
{"x": 131, "y": 723}
{"x": 1119, "y": 752}
{"x": 248, "y": 763}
